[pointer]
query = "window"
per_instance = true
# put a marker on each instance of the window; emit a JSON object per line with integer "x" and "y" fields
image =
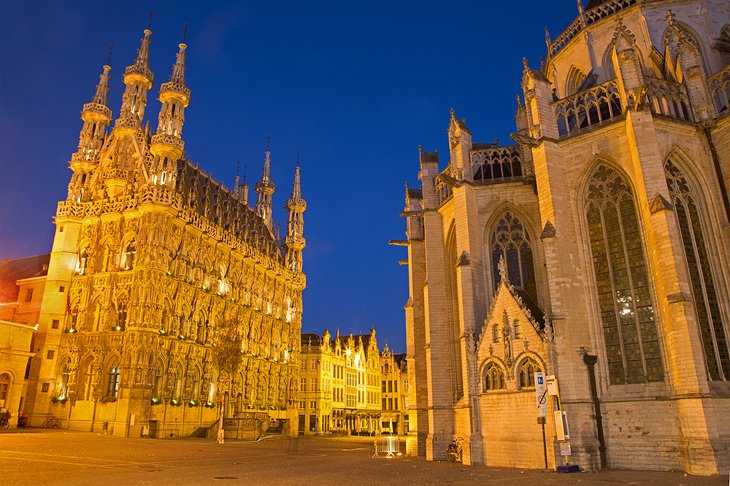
{"x": 314, "y": 364}
{"x": 112, "y": 390}
{"x": 313, "y": 405}
{"x": 395, "y": 403}
{"x": 61, "y": 289}
{"x": 712, "y": 330}
{"x": 4, "y": 389}
{"x": 130, "y": 251}
{"x": 303, "y": 384}
{"x": 384, "y": 402}
{"x": 516, "y": 328}
{"x": 83, "y": 261}
{"x": 63, "y": 382}
{"x": 527, "y": 369}
{"x": 395, "y": 386}
{"x": 383, "y": 386}
{"x": 54, "y": 324}
{"x": 511, "y": 242}
{"x": 622, "y": 282}
{"x": 495, "y": 333}
{"x": 45, "y": 387}
{"x": 493, "y": 378}
{"x": 313, "y": 384}
{"x": 28, "y": 295}
{"x": 304, "y": 364}
{"x": 121, "y": 315}
{"x": 195, "y": 392}
{"x": 302, "y": 405}
{"x": 50, "y": 353}
{"x": 390, "y": 386}
{"x": 390, "y": 404}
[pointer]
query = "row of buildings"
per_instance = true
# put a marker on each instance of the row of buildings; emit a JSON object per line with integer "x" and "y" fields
{"x": 346, "y": 385}
{"x": 595, "y": 249}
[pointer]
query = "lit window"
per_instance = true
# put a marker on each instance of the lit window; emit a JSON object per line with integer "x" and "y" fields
{"x": 112, "y": 390}
{"x": 527, "y": 369}
{"x": 493, "y": 377}
{"x": 622, "y": 282}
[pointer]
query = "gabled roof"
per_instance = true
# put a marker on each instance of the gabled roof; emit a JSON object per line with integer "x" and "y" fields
{"x": 13, "y": 270}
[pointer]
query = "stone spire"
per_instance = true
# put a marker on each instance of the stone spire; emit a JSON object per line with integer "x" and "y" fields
{"x": 138, "y": 80}
{"x": 96, "y": 116}
{"x": 295, "y": 241}
{"x": 265, "y": 189}
{"x": 167, "y": 144}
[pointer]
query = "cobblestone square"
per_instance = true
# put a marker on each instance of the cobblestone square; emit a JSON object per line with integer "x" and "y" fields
{"x": 79, "y": 458}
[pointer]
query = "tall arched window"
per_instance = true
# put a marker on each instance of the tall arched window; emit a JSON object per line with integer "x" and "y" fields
{"x": 128, "y": 255}
{"x": 63, "y": 381}
{"x": 511, "y": 241}
{"x": 714, "y": 340}
{"x": 5, "y": 382}
{"x": 112, "y": 390}
{"x": 622, "y": 282}
{"x": 121, "y": 316}
{"x": 493, "y": 377}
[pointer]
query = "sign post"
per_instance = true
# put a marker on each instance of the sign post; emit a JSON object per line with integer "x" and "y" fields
{"x": 541, "y": 402}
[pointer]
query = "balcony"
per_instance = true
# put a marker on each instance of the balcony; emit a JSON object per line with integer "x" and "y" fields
{"x": 496, "y": 164}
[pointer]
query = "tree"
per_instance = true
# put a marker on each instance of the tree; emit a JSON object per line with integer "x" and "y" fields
{"x": 226, "y": 354}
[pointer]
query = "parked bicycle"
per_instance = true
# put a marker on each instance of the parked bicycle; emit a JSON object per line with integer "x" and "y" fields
{"x": 4, "y": 420}
{"x": 52, "y": 422}
{"x": 455, "y": 450}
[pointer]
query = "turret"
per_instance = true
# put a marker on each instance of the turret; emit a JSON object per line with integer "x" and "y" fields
{"x": 138, "y": 80}
{"x": 295, "y": 241}
{"x": 167, "y": 144}
{"x": 265, "y": 189}
{"x": 96, "y": 116}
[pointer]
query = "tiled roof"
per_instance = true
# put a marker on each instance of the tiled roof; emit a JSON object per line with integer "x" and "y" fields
{"x": 19, "y": 268}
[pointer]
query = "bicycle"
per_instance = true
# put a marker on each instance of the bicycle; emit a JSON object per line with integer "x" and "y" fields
{"x": 4, "y": 420}
{"x": 455, "y": 450}
{"x": 52, "y": 422}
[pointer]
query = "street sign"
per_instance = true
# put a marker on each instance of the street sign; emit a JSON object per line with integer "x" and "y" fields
{"x": 541, "y": 394}
{"x": 552, "y": 385}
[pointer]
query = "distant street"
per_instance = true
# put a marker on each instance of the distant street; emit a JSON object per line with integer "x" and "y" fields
{"x": 78, "y": 458}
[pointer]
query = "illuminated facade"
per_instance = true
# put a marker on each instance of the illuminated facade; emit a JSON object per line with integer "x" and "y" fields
{"x": 393, "y": 392}
{"x": 150, "y": 256}
{"x": 340, "y": 384}
{"x": 594, "y": 249}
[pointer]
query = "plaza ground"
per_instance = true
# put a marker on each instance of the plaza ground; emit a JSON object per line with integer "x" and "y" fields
{"x": 56, "y": 457}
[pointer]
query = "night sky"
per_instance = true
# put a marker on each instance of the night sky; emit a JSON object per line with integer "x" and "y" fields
{"x": 356, "y": 86}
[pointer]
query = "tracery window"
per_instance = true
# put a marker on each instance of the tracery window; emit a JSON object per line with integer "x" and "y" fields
{"x": 510, "y": 241}
{"x": 493, "y": 377}
{"x": 112, "y": 390}
{"x": 712, "y": 330}
{"x": 622, "y": 282}
{"x": 526, "y": 372}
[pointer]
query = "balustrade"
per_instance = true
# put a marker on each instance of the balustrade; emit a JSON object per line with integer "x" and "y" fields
{"x": 588, "y": 108}
{"x": 591, "y": 16}
{"x": 667, "y": 98}
{"x": 719, "y": 84}
{"x": 496, "y": 164}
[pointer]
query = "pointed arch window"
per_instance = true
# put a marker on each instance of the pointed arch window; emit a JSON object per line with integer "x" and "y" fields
{"x": 121, "y": 316}
{"x": 130, "y": 252}
{"x": 510, "y": 241}
{"x": 526, "y": 372}
{"x": 706, "y": 302}
{"x": 622, "y": 281}
{"x": 493, "y": 378}
{"x": 63, "y": 382}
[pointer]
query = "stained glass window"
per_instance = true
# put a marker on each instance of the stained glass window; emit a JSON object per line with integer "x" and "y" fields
{"x": 511, "y": 241}
{"x": 622, "y": 283}
{"x": 714, "y": 340}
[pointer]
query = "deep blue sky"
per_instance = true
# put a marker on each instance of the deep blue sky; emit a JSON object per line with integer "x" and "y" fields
{"x": 357, "y": 86}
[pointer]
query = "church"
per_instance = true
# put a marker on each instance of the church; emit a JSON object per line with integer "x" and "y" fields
{"x": 592, "y": 251}
{"x": 152, "y": 258}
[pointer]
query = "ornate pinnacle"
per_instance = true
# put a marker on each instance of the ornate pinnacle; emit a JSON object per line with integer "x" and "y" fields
{"x": 296, "y": 192}
{"x": 143, "y": 53}
{"x": 102, "y": 89}
{"x": 178, "y": 69}
{"x": 502, "y": 267}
